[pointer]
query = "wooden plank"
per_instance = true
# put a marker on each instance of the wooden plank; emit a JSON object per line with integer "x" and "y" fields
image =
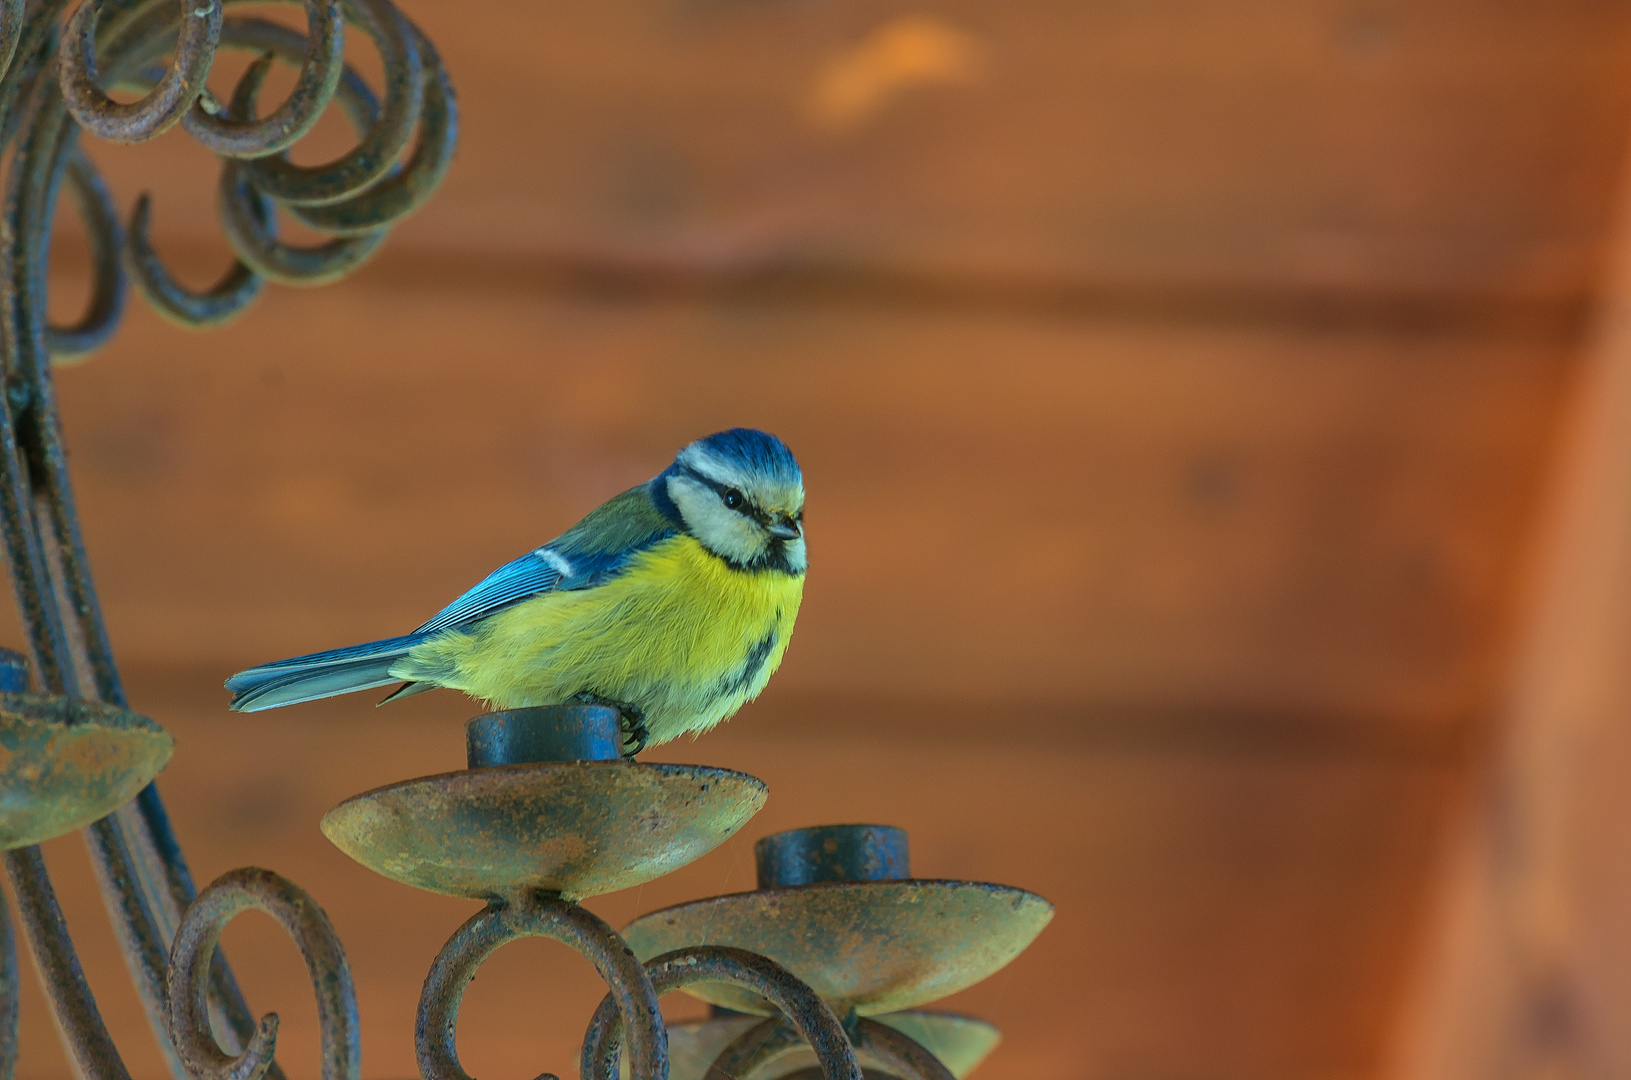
{"x": 1223, "y": 520}
{"x": 1445, "y": 147}
{"x": 1223, "y": 915}
{"x": 1527, "y": 974}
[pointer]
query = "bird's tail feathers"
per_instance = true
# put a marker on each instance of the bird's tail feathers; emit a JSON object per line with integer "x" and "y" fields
{"x": 320, "y": 675}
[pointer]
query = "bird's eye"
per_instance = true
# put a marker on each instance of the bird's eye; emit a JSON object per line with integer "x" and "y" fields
{"x": 733, "y": 499}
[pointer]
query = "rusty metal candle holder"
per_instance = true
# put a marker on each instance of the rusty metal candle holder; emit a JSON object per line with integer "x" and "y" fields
{"x": 545, "y": 814}
{"x": 548, "y": 804}
{"x": 548, "y": 813}
{"x": 64, "y": 763}
{"x": 837, "y": 906}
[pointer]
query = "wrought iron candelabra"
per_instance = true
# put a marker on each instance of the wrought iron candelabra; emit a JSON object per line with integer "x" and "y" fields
{"x": 821, "y": 969}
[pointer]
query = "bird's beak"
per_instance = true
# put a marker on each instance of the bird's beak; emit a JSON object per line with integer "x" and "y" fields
{"x": 785, "y": 530}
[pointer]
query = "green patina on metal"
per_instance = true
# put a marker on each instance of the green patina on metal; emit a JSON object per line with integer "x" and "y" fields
{"x": 871, "y": 946}
{"x": 64, "y": 763}
{"x": 837, "y": 906}
{"x": 960, "y": 1042}
{"x": 578, "y": 828}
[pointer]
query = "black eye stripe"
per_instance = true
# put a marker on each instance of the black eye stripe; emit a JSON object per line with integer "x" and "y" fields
{"x": 747, "y": 508}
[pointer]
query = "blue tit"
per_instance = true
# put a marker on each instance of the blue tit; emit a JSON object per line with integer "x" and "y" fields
{"x": 673, "y": 601}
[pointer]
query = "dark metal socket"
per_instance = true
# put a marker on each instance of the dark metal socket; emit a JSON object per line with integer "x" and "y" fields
{"x": 824, "y": 853}
{"x": 544, "y": 733}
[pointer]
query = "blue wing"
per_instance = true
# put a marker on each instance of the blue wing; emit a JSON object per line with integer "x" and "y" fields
{"x": 593, "y": 551}
{"x": 531, "y": 574}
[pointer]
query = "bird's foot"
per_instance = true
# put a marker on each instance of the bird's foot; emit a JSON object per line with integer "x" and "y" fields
{"x": 635, "y": 734}
{"x": 633, "y": 721}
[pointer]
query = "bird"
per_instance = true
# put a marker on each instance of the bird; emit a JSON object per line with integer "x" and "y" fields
{"x": 672, "y": 602}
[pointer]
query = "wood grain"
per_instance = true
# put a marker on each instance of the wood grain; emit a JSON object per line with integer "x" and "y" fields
{"x": 1295, "y": 523}
{"x": 1441, "y": 147}
{"x": 1527, "y": 971}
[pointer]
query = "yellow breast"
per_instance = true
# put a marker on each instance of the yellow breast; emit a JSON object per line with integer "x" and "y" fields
{"x": 680, "y": 634}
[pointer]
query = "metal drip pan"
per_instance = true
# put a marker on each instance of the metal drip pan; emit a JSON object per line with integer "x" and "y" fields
{"x": 577, "y": 828}
{"x": 872, "y": 946}
{"x": 65, "y": 763}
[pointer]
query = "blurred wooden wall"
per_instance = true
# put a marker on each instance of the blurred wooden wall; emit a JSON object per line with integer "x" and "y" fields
{"x": 1527, "y": 972}
{"x": 1176, "y": 385}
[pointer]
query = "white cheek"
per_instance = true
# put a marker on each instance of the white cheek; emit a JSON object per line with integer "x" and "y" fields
{"x": 721, "y": 530}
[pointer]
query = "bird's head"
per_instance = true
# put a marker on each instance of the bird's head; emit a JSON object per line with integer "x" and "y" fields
{"x": 740, "y": 493}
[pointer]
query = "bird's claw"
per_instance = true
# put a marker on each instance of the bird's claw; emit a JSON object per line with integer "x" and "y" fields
{"x": 632, "y": 722}
{"x": 635, "y": 735}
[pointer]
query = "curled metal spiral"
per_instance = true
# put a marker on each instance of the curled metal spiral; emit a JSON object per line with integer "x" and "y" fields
{"x": 251, "y": 230}
{"x": 164, "y": 105}
{"x": 805, "y": 1017}
{"x": 219, "y": 304}
{"x": 224, "y": 899}
{"x": 632, "y": 997}
{"x": 106, "y": 236}
{"x": 890, "y": 1052}
{"x": 355, "y": 198}
{"x": 398, "y": 43}
{"x": 404, "y": 191}
{"x": 896, "y": 1053}
{"x": 240, "y": 284}
{"x": 320, "y": 70}
{"x": 55, "y": 68}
